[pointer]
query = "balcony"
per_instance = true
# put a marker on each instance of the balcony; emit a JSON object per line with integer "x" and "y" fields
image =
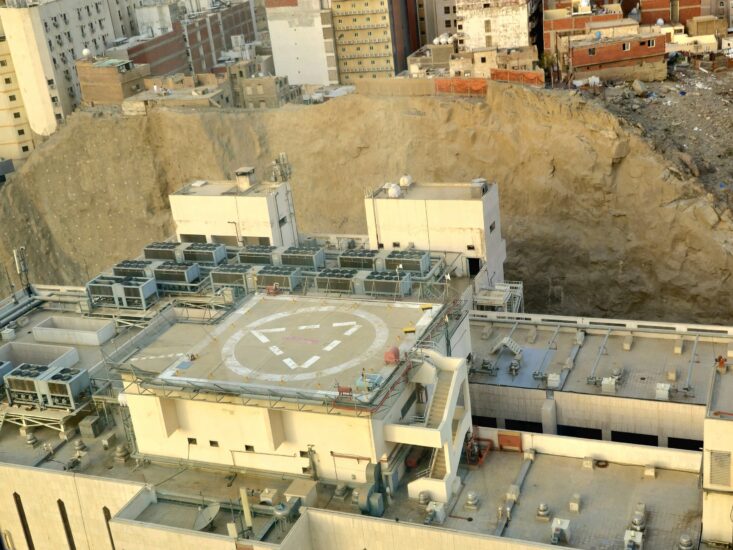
{"x": 356, "y": 27}
{"x": 363, "y": 55}
{"x": 365, "y": 41}
{"x": 359, "y": 12}
{"x": 370, "y": 69}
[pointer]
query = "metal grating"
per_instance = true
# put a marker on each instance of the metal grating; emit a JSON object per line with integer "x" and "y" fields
{"x": 720, "y": 468}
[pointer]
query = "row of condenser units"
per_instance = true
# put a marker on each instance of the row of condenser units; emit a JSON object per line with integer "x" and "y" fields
{"x": 314, "y": 258}
{"x": 44, "y": 386}
{"x": 189, "y": 268}
{"x": 166, "y": 267}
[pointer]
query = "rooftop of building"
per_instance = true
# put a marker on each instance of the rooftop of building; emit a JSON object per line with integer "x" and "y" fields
{"x": 215, "y": 188}
{"x": 178, "y": 94}
{"x": 625, "y": 22}
{"x": 288, "y": 345}
{"x": 615, "y": 39}
{"x": 473, "y": 190}
{"x": 608, "y": 493}
{"x": 582, "y": 353}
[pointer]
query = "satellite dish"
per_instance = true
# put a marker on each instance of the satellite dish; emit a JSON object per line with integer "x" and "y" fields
{"x": 660, "y": 21}
{"x": 598, "y": 35}
{"x": 85, "y": 52}
{"x": 205, "y": 518}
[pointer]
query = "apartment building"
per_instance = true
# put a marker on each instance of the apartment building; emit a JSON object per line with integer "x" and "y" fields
{"x": 435, "y": 17}
{"x": 16, "y": 141}
{"x": 495, "y": 23}
{"x": 302, "y": 39}
{"x": 373, "y": 37}
{"x": 44, "y": 39}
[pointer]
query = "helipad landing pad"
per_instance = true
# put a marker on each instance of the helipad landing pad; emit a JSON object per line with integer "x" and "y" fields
{"x": 299, "y": 343}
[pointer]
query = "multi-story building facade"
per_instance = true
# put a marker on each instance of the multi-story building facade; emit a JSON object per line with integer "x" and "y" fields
{"x": 436, "y": 17}
{"x": 45, "y": 38}
{"x": 373, "y": 37}
{"x": 302, "y": 39}
{"x": 495, "y": 24}
{"x": 16, "y": 141}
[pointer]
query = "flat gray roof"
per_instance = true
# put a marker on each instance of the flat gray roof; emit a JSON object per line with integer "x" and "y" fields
{"x": 658, "y": 353}
{"x": 435, "y": 191}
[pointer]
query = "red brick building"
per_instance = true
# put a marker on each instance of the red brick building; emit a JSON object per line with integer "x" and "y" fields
{"x": 194, "y": 45}
{"x": 556, "y": 26}
{"x": 635, "y": 56}
{"x": 670, "y": 11}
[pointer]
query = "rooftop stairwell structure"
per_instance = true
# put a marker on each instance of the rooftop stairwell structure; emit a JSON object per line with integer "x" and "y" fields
{"x": 444, "y": 427}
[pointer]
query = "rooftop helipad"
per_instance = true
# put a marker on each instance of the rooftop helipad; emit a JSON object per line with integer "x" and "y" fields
{"x": 287, "y": 343}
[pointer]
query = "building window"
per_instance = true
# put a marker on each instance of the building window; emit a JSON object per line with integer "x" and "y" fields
{"x": 192, "y": 441}
{"x": 16, "y": 115}
{"x": 8, "y": 81}
{"x": 492, "y": 227}
{"x": 213, "y": 443}
{"x": 626, "y": 47}
{"x": 483, "y": 60}
{"x": 67, "y": 526}
{"x": 591, "y": 51}
{"x": 652, "y": 43}
{"x": 446, "y": 10}
{"x": 25, "y": 148}
{"x": 21, "y": 132}
{"x": 395, "y": 245}
{"x": 447, "y": 24}
{"x": 249, "y": 448}
{"x": 11, "y": 98}
{"x": 3, "y": 63}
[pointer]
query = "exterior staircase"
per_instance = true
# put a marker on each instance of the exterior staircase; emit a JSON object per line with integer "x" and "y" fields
{"x": 437, "y": 467}
{"x": 440, "y": 397}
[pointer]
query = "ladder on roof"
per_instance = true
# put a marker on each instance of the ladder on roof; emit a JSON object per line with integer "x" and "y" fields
{"x": 510, "y": 344}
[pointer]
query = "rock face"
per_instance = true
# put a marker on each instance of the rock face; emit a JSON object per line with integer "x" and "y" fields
{"x": 596, "y": 222}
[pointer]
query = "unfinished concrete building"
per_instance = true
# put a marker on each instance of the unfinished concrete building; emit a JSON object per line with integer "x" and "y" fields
{"x": 106, "y": 81}
{"x": 497, "y": 24}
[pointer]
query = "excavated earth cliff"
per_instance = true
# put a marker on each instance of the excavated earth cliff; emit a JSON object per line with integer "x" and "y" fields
{"x": 595, "y": 221}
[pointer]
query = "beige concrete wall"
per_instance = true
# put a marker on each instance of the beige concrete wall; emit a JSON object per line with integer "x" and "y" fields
{"x": 619, "y": 453}
{"x": 717, "y": 525}
{"x": 84, "y": 498}
{"x": 339, "y": 531}
{"x": 234, "y": 427}
{"x": 647, "y": 72}
{"x": 133, "y": 535}
{"x": 257, "y": 216}
{"x": 396, "y": 87}
{"x": 437, "y": 225}
{"x": 662, "y": 418}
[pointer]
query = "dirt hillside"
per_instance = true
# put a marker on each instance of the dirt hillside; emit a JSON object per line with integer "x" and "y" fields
{"x": 595, "y": 221}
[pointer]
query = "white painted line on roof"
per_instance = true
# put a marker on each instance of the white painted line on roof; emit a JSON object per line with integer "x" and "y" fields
{"x": 332, "y": 345}
{"x": 345, "y": 324}
{"x": 261, "y": 337}
{"x": 352, "y": 330}
{"x": 272, "y": 330}
{"x": 308, "y": 327}
{"x": 293, "y": 365}
{"x": 276, "y": 350}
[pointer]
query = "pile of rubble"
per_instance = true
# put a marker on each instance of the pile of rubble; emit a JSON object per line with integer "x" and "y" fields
{"x": 688, "y": 119}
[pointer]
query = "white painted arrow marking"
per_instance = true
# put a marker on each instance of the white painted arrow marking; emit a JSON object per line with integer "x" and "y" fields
{"x": 293, "y": 365}
{"x": 259, "y": 334}
{"x": 276, "y": 350}
{"x": 352, "y": 330}
{"x": 345, "y": 324}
